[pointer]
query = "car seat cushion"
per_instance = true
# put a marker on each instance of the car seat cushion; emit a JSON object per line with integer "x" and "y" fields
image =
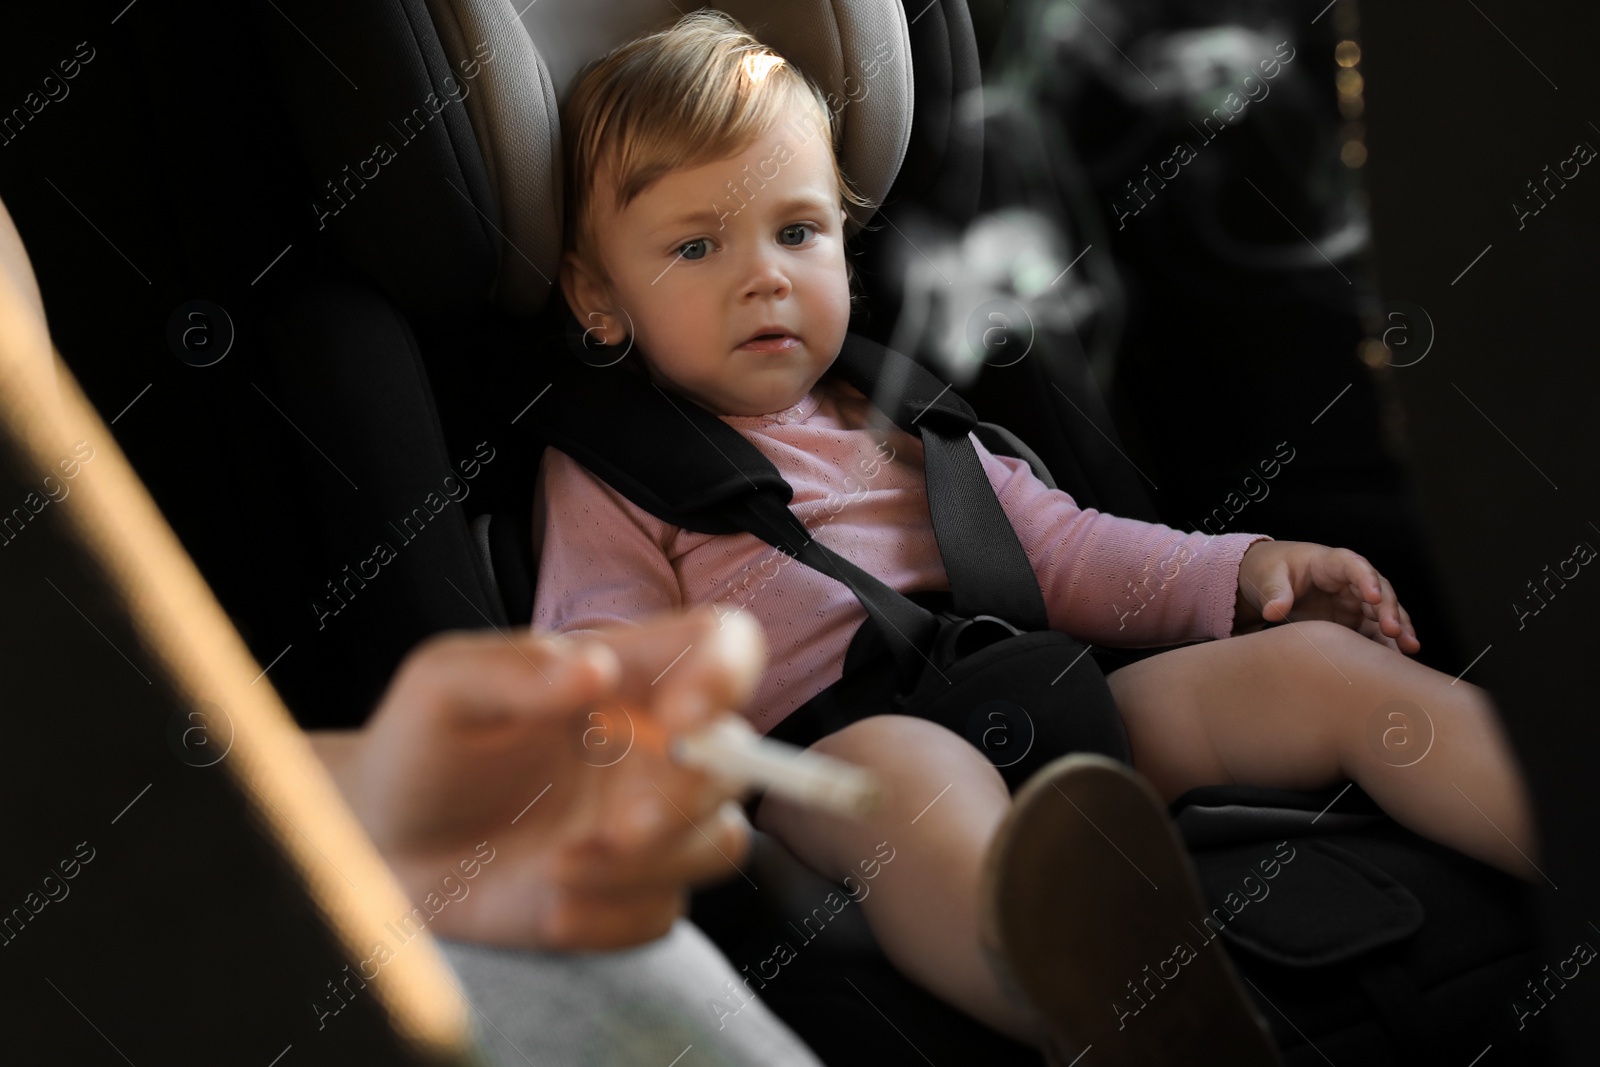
{"x": 1304, "y": 902}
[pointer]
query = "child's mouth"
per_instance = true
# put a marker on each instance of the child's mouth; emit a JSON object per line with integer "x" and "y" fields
{"x": 771, "y": 342}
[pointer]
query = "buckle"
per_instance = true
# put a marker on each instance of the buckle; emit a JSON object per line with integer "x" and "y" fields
{"x": 962, "y": 637}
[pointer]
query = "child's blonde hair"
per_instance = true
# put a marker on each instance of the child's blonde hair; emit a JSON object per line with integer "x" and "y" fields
{"x": 699, "y": 91}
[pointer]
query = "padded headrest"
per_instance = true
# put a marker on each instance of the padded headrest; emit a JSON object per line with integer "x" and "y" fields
{"x": 457, "y": 109}
{"x": 841, "y": 44}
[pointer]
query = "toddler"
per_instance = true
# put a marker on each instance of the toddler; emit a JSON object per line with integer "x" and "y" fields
{"x": 706, "y": 230}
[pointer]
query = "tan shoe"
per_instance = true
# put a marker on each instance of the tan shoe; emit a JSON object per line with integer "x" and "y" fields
{"x": 1089, "y": 913}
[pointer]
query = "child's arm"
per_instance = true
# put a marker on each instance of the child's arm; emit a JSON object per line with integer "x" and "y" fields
{"x": 602, "y": 559}
{"x": 1119, "y": 582}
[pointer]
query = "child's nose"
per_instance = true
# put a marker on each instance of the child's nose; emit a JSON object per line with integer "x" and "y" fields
{"x": 767, "y": 276}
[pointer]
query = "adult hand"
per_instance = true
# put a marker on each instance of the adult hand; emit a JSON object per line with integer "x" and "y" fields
{"x": 1290, "y": 581}
{"x": 519, "y": 747}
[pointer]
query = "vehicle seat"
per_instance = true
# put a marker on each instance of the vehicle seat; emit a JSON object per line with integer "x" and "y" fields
{"x": 449, "y": 259}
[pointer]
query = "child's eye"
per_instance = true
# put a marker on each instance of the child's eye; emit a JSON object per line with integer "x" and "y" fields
{"x": 695, "y": 249}
{"x": 795, "y": 234}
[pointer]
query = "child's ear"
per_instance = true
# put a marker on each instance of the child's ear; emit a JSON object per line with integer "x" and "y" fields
{"x": 590, "y": 300}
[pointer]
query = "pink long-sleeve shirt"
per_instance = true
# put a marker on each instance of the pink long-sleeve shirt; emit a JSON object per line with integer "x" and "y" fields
{"x": 1106, "y": 580}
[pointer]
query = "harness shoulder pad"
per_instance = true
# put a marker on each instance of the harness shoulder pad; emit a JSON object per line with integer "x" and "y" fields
{"x": 663, "y": 452}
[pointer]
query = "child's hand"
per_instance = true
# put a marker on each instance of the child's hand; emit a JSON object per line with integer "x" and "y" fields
{"x": 1297, "y": 580}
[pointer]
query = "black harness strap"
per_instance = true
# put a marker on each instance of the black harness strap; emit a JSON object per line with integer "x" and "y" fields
{"x": 906, "y": 627}
{"x": 982, "y": 555}
{"x": 982, "y": 662}
{"x": 713, "y": 480}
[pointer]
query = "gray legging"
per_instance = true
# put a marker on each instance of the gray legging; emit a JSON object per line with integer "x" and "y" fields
{"x": 651, "y": 1006}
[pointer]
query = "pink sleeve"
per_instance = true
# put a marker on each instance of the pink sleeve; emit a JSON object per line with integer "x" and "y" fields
{"x": 602, "y": 559}
{"x": 1119, "y": 582}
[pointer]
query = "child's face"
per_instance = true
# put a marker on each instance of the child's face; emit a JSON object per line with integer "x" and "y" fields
{"x": 699, "y": 268}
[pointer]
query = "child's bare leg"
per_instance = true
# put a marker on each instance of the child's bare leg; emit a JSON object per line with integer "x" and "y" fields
{"x": 1294, "y": 706}
{"x": 945, "y": 801}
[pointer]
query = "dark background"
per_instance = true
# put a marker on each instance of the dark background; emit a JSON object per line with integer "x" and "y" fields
{"x": 1500, "y": 418}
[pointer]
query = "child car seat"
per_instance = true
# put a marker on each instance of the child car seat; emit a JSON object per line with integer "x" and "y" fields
{"x": 1364, "y": 954}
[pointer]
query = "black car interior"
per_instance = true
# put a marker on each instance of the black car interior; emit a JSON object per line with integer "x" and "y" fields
{"x": 301, "y": 259}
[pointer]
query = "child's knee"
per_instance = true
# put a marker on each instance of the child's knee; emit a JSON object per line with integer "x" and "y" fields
{"x": 1315, "y": 639}
{"x": 874, "y": 733}
{"x": 912, "y": 754}
{"x": 886, "y": 740}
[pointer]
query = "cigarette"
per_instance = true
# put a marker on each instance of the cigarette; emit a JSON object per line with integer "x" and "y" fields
{"x": 729, "y": 748}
